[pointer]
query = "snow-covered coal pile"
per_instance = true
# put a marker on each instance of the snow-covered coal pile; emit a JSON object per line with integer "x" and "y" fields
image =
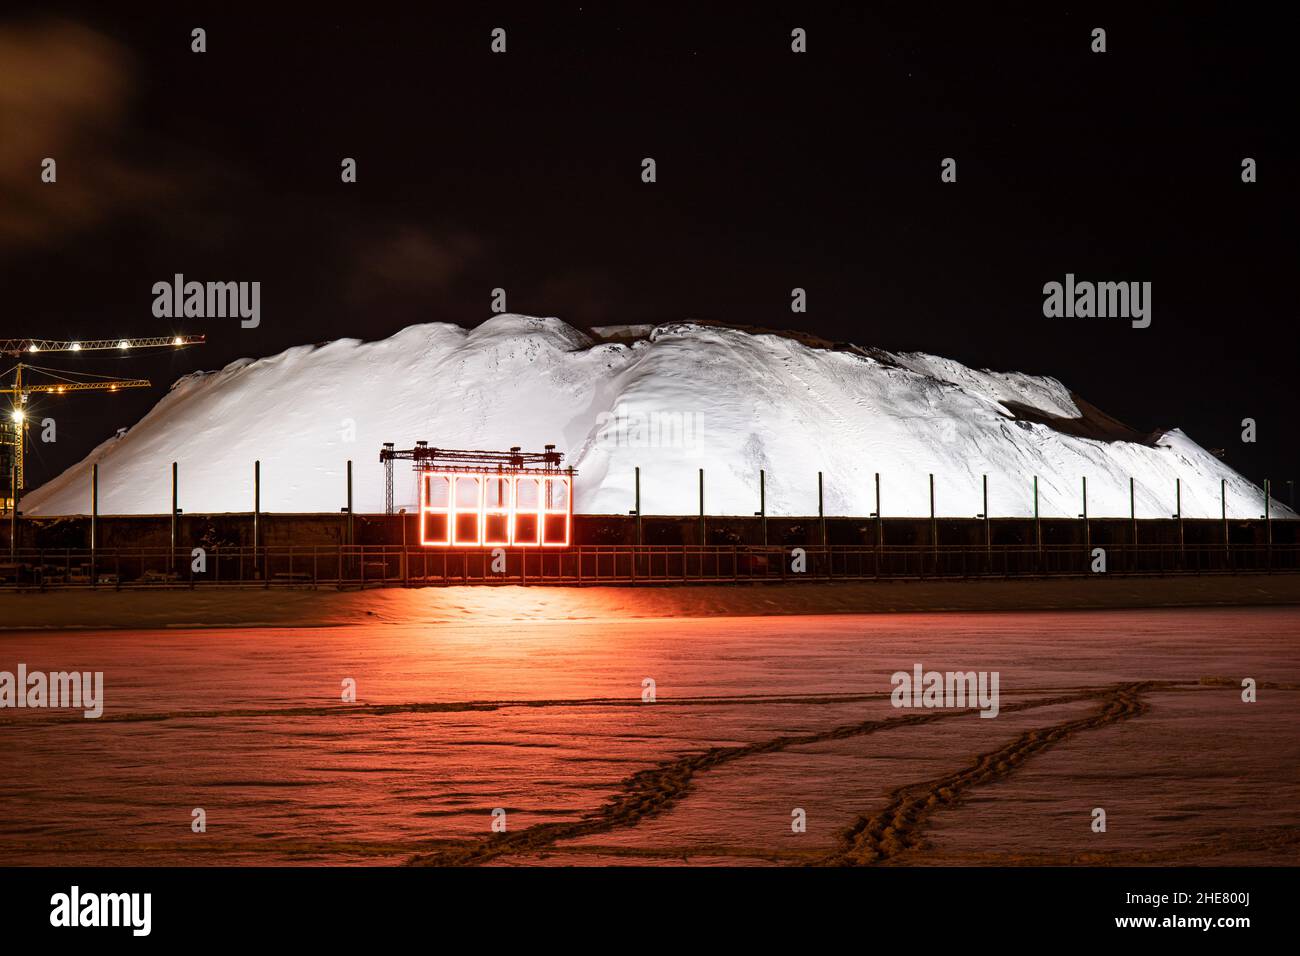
{"x": 669, "y": 399}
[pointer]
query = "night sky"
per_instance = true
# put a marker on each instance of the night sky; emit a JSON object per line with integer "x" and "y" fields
{"x": 775, "y": 170}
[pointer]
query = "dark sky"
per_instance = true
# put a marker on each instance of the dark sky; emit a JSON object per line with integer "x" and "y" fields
{"x": 775, "y": 170}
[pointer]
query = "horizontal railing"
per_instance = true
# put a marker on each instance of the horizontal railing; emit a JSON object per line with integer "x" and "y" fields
{"x": 395, "y": 566}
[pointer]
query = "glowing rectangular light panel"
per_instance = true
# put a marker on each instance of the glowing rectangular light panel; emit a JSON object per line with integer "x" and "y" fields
{"x": 489, "y": 509}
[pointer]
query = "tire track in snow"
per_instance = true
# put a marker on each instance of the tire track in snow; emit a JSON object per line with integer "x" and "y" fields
{"x": 897, "y": 828}
{"x": 656, "y": 789}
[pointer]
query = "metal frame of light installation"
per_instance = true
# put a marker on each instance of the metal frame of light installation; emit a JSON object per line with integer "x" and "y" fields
{"x": 476, "y": 499}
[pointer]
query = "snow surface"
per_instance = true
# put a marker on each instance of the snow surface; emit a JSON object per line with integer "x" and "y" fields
{"x": 683, "y": 397}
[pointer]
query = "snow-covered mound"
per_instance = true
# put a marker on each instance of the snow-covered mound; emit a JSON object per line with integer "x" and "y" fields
{"x": 670, "y": 399}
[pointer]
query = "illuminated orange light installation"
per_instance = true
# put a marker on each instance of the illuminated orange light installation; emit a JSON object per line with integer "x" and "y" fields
{"x": 495, "y": 509}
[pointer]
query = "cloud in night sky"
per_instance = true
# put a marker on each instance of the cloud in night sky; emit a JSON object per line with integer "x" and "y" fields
{"x": 410, "y": 260}
{"x": 66, "y": 94}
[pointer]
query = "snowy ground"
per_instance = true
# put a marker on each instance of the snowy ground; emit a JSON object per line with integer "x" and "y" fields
{"x": 1136, "y": 712}
{"x": 669, "y": 399}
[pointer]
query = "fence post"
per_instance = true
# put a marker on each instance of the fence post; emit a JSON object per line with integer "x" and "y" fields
{"x": 94, "y": 523}
{"x": 257, "y": 509}
{"x": 171, "y": 556}
{"x": 1178, "y": 513}
{"x": 821, "y": 510}
{"x": 880, "y": 526}
{"x": 351, "y": 527}
{"x": 1268, "y": 517}
{"x": 13, "y": 513}
{"x": 1132, "y": 512}
{"x": 934, "y": 525}
{"x": 703, "y": 537}
{"x": 638, "y": 506}
{"x": 1038, "y": 525}
{"x": 1087, "y": 536}
{"x": 1223, "y": 510}
{"x": 988, "y": 530}
{"x": 762, "y": 501}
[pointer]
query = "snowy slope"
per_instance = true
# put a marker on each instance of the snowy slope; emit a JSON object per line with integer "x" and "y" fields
{"x": 682, "y": 397}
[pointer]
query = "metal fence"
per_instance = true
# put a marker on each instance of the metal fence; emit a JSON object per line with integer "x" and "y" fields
{"x": 395, "y": 566}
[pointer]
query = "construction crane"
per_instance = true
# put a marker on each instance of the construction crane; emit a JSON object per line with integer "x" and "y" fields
{"x": 16, "y": 348}
{"x": 13, "y": 427}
